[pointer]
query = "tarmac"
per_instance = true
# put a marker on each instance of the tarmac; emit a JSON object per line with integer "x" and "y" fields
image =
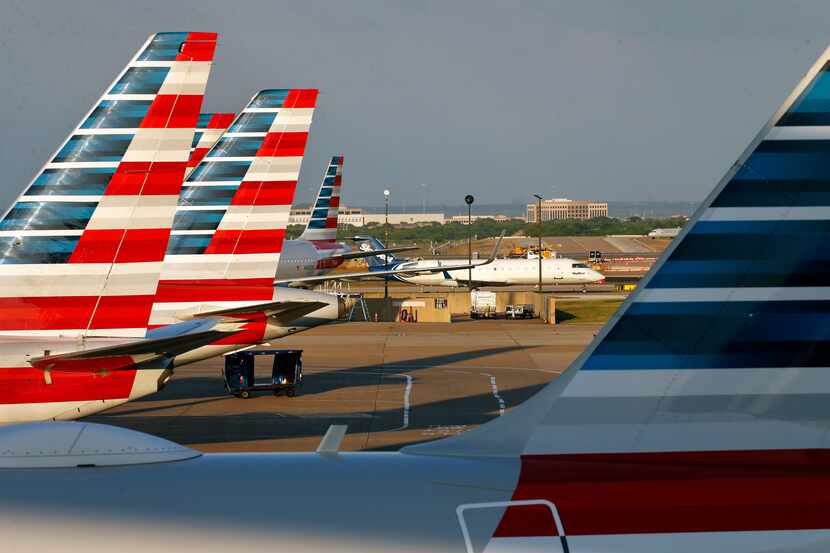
{"x": 393, "y": 384}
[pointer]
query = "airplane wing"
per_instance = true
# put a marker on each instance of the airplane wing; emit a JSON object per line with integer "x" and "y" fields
{"x": 146, "y": 353}
{"x": 281, "y": 310}
{"x": 359, "y": 254}
{"x": 131, "y": 355}
{"x": 410, "y": 271}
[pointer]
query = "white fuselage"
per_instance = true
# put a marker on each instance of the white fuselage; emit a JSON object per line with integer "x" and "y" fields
{"x": 504, "y": 272}
{"x": 302, "y": 258}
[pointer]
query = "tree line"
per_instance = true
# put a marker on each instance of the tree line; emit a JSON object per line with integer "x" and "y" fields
{"x": 485, "y": 228}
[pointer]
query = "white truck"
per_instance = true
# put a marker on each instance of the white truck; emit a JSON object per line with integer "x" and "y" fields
{"x": 482, "y": 304}
{"x": 519, "y": 311}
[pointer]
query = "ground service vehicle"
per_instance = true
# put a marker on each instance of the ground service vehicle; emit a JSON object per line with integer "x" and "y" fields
{"x": 482, "y": 304}
{"x": 286, "y": 372}
{"x": 519, "y": 311}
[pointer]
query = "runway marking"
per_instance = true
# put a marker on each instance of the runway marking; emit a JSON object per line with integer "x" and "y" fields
{"x": 406, "y": 403}
{"x": 494, "y": 388}
{"x": 407, "y": 396}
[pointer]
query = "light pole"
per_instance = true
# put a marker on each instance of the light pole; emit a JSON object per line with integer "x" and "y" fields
{"x": 539, "y": 222}
{"x": 386, "y": 243}
{"x": 469, "y": 200}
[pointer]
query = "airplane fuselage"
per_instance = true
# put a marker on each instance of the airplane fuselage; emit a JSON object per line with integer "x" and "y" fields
{"x": 304, "y": 258}
{"x": 373, "y": 502}
{"x": 502, "y": 272}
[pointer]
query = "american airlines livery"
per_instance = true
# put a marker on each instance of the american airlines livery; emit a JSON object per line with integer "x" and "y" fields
{"x": 84, "y": 249}
{"x": 229, "y": 228}
{"x": 316, "y": 251}
{"x": 697, "y": 420}
{"x": 209, "y": 129}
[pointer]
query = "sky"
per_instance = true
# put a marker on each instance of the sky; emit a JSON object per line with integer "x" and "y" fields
{"x": 607, "y": 100}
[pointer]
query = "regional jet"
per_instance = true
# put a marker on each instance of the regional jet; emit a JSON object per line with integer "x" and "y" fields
{"x": 501, "y": 272}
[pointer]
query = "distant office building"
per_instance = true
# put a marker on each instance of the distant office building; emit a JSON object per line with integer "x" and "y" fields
{"x": 560, "y": 209}
{"x": 498, "y": 218}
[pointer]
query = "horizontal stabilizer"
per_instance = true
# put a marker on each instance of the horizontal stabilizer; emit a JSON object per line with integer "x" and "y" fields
{"x": 284, "y": 311}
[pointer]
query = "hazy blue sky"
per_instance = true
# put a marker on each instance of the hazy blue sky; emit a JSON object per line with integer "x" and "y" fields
{"x": 646, "y": 100}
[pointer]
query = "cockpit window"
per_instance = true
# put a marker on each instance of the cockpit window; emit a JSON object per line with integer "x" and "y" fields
{"x": 580, "y": 266}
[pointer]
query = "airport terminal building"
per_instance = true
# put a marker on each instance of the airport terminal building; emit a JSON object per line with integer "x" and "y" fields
{"x": 561, "y": 208}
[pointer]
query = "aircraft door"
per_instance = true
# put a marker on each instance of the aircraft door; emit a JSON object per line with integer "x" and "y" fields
{"x": 526, "y": 526}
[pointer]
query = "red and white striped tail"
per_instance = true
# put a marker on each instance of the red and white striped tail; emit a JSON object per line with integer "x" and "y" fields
{"x": 209, "y": 130}
{"x": 233, "y": 212}
{"x": 321, "y": 229}
{"x": 82, "y": 247}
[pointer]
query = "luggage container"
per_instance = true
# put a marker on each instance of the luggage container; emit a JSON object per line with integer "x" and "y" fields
{"x": 286, "y": 372}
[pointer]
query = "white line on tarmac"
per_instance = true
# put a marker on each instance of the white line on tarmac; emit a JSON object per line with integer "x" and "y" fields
{"x": 495, "y": 389}
{"x": 407, "y": 393}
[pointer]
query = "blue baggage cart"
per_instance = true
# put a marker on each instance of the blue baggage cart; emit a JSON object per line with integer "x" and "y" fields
{"x": 286, "y": 372}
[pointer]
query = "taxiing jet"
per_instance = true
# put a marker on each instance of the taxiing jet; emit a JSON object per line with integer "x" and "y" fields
{"x": 83, "y": 251}
{"x": 454, "y": 272}
{"x": 695, "y": 421}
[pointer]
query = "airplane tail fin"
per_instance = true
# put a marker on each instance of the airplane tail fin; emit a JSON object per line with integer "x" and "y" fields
{"x": 724, "y": 347}
{"x": 233, "y": 211}
{"x": 376, "y": 262}
{"x": 81, "y": 248}
{"x": 209, "y": 129}
{"x": 322, "y": 225}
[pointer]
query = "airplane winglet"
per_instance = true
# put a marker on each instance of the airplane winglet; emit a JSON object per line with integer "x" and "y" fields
{"x": 496, "y": 247}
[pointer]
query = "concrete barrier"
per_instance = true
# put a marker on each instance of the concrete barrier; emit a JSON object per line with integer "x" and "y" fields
{"x": 442, "y": 306}
{"x": 430, "y": 308}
